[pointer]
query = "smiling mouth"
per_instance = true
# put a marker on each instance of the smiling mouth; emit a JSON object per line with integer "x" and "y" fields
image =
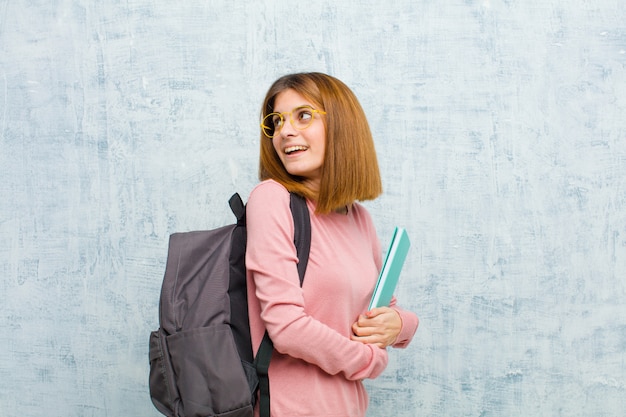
{"x": 293, "y": 149}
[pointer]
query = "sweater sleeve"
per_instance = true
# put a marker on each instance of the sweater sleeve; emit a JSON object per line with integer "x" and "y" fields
{"x": 410, "y": 322}
{"x": 272, "y": 261}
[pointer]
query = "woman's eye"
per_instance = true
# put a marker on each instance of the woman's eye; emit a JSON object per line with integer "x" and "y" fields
{"x": 277, "y": 121}
{"x": 304, "y": 115}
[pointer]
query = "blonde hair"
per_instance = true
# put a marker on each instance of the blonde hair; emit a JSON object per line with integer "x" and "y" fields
{"x": 350, "y": 171}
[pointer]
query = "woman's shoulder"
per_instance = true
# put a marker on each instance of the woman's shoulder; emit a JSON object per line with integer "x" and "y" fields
{"x": 268, "y": 191}
{"x": 362, "y": 216}
{"x": 359, "y": 210}
{"x": 269, "y": 186}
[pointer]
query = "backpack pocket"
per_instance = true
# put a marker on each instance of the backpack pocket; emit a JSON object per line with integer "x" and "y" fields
{"x": 209, "y": 373}
{"x": 162, "y": 383}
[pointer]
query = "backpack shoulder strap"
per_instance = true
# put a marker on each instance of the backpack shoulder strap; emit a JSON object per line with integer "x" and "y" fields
{"x": 238, "y": 208}
{"x": 302, "y": 240}
{"x": 302, "y": 234}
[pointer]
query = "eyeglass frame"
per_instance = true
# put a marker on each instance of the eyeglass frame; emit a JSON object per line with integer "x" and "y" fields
{"x": 283, "y": 119}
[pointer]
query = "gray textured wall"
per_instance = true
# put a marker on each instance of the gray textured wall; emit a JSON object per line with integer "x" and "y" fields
{"x": 501, "y": 131}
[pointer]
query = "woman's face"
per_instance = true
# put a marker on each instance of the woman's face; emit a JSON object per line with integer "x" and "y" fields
{"x": 300, "y": 151}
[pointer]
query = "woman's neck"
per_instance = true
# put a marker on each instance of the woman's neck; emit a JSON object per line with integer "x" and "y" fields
{"x": 343, "y": 209}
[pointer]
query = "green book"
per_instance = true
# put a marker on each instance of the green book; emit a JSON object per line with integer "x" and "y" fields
{"x": 390, "y": 272}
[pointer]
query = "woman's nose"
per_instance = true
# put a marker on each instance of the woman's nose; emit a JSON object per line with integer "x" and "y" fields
{"x": 288, "y": 128}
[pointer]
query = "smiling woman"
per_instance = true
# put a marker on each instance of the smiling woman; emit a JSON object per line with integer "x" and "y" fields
{"x": 316, "y": 142}
{"x": 350, "y": 166}
{"x": 300, "y": 145}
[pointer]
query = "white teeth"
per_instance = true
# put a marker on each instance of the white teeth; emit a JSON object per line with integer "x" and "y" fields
{"x": 292, "y": 149}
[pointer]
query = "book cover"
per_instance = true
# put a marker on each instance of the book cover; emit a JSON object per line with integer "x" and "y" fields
{"x": 390, "y": 272}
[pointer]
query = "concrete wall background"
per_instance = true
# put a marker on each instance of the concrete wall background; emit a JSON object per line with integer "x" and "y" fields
{"x": 501, "y": 131}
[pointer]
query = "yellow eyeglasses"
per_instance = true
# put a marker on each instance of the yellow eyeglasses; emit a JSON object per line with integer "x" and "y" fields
{"x": 300, "y": 118}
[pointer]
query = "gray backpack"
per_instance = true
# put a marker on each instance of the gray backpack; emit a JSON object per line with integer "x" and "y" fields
{"x": 201, "y": 361}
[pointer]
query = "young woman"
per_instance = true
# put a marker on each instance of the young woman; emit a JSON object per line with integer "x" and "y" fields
{"x": 315, "y": 141}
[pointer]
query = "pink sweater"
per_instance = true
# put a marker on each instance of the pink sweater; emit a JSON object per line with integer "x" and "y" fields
{"x": 316, "y": 369}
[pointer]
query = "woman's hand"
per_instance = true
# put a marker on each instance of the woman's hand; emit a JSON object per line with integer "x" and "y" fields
{"x": 379, "y": 326}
